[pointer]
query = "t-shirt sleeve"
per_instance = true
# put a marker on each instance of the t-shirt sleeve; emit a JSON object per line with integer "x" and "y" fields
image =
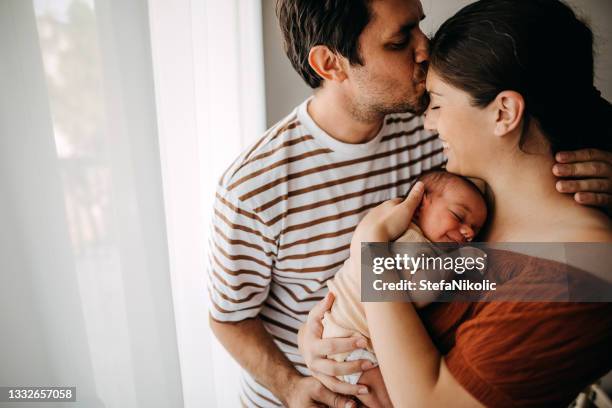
{"x": 532, "y": 354}
{"x": 241, "y": 253}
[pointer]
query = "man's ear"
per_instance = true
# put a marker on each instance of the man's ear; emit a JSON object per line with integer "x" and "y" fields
{"x": 509, "y": 108}
{"x": 326, "y": 64}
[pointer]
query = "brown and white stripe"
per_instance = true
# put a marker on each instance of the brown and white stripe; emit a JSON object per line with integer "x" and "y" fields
{"x": 284, "y": 215}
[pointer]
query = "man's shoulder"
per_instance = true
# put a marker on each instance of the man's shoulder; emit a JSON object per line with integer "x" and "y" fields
{"x": 266, "y": 157}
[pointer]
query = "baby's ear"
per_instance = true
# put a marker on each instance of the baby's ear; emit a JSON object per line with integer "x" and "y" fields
{"x": 424, "y": 203}
{"x": 426, "y": 199}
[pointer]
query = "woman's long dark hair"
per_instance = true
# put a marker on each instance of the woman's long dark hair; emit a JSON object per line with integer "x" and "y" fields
{"x": 538, "y": 48}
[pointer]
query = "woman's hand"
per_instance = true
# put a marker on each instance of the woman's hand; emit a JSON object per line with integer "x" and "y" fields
{"x": 587, "y": 174}
{"x": 315, "y": 350}
{"x": 387, "y": 221}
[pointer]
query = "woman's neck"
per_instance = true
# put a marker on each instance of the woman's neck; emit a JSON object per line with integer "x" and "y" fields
{"x": 526, "y": 204}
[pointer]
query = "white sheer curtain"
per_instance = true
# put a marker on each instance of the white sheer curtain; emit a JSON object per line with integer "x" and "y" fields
{"x": 209, "y": 81}
{"x": 116, "y": 118}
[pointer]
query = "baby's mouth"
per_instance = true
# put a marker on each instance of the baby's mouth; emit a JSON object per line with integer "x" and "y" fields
{"x": 456, "y": 241}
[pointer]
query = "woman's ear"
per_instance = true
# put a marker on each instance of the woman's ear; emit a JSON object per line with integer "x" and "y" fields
{"x": 326, "y": 64}
{"x": 509, "y": 108}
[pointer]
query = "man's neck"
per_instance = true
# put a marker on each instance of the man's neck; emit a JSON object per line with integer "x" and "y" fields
{"x": 331, "y": 112}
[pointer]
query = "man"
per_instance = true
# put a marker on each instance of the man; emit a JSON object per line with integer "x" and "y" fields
{"x": 286, "y": 208}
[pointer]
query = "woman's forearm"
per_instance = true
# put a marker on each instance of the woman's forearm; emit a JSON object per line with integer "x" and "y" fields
{"x": 409, "y": 362}
{"x": 414, "y": 372}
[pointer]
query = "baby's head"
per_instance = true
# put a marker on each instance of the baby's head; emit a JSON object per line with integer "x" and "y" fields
{"x": 453, "y": 208}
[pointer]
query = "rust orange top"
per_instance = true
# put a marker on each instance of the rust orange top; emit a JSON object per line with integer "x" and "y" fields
{"x": 524, "y": 354}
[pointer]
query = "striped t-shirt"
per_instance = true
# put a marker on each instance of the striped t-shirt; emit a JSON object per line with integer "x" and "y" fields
{"x": 284, "y": 215}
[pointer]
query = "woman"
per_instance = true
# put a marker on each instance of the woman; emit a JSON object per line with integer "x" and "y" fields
{"x": 511, "y": 84}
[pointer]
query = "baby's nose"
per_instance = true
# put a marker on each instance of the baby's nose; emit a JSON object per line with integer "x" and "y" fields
{"x": 467, "y": 232}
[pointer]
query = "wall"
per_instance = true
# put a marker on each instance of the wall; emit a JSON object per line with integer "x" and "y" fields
{"x": 285, "y": 89}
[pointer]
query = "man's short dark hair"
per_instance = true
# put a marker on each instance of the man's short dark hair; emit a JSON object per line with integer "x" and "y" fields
{"x": 336, "y": 24}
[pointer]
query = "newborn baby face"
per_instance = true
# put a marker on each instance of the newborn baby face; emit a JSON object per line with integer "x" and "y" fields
{"x": 454, "y": 212}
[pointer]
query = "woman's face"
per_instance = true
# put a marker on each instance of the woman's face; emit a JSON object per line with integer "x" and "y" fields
{"x": 465, "y": 130}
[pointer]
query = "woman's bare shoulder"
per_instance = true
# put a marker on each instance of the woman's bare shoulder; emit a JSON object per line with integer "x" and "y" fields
{"x": 590, "y": 226}
{"x": 594, "y": 235}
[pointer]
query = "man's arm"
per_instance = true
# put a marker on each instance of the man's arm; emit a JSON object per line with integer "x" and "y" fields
{"x": 239, "y": 276}
{"x": 252, "y": 346}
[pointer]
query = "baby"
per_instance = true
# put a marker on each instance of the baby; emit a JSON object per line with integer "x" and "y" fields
{"x": 452, "y": 210}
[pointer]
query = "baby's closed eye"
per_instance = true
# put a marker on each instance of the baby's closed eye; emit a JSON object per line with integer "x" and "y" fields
{"x": 456, "y": 215}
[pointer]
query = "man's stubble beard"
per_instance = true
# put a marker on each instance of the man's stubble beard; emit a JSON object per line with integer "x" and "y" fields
{"x": 371, "y": 110}
{"x": 369, "y": 107}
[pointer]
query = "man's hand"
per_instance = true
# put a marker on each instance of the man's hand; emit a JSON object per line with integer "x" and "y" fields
{"x": 315, "y": 350}
{"x": 309, "y": 392}
{"x": 587, "y": 174}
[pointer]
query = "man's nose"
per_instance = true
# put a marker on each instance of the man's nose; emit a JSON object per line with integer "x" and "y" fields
{"x": 421, "y": 52}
